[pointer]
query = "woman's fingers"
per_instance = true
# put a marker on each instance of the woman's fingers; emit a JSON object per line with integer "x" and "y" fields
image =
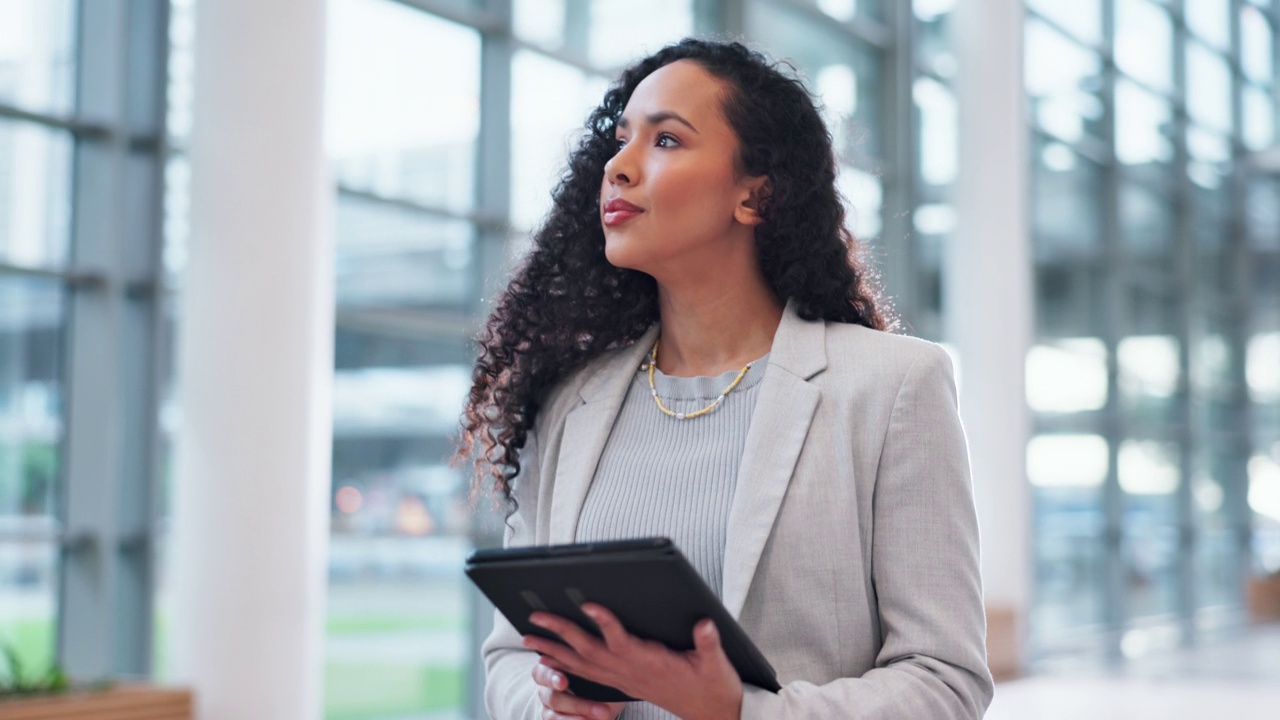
{"x": 708, "y": 651}
{"x": 565, "y": 657}
{"x": 584, "y": 643}
{"x": 549, "y": 677}
{"x": 706, "y": 638}
{"x": 557, "y": 702}
{"x": 615, "y": 636}
{"x": 566, "y": 704}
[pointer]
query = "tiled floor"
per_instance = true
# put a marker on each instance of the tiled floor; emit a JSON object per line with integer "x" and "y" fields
{"x": 1235, "y": 678}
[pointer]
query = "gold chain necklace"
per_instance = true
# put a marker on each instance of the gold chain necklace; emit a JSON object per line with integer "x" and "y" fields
{"x": 653, "y": 363}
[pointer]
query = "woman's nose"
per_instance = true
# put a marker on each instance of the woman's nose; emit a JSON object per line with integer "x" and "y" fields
{"x": 620, "y": 169}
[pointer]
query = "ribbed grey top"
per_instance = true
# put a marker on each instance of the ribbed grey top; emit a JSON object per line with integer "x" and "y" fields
{"x": 663, "y": 476}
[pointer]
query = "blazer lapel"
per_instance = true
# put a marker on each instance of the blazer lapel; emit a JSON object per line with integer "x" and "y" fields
{"x": 586, "y": 430}
{"x": 784, "y": 410}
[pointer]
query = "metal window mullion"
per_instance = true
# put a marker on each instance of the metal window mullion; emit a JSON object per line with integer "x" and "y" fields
{"x": 75, "y": 126}
{"x": 857, "y": 30}
{"x": 493, "y": 199}
{"x": 1239, "y": 314}
{"x": 1187, "y": 298}
{"x": 482, "y": 219}
{"x": 1114, "y": 325}
{"x": 487, "y": 20}
{"x": 105, "y": 588}
{"x": 901, "y": 129}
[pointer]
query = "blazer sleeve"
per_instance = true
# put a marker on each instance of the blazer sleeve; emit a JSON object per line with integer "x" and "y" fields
{"x": 932, "y": 663}
{"x": 509, "y": 690}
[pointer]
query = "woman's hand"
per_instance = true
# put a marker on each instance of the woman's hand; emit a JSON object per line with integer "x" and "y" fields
{"x": 559, "y": 704}
{"x": 700, "y": 684}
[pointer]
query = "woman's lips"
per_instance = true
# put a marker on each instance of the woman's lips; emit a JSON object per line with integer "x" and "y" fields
{"x": 617, "y": 217}
{"x": 618, "y": 211}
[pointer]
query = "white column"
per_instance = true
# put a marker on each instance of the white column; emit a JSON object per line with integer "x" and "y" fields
{"x": 988, "y": 303}
{"x": 250, "y": 516}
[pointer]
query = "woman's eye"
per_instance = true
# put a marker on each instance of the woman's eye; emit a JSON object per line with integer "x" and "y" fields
{"x": 669, "y": 140}
{"x": 618, "y": 143}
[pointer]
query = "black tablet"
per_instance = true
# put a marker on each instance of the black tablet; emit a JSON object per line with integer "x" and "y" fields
{"x": 647, "y": 583}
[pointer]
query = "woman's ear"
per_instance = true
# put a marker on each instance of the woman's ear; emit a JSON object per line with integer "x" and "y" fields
{"x": 758, "y": 189}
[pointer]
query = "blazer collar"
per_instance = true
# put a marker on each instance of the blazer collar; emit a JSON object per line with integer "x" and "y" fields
{"x": 799, "y": 346}
{"x": 784, "y": 410}
{"x": 586, "y": 430}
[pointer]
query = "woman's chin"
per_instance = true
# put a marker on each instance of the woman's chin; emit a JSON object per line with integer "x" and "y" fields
{"x": 620, "y": 255}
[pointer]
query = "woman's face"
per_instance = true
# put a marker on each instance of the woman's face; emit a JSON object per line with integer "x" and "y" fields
{"x": 671, "y": 197}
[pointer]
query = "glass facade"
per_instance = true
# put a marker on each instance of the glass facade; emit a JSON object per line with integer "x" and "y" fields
{"x": 77, "y": 330}
{"x": 1151, "y": 298}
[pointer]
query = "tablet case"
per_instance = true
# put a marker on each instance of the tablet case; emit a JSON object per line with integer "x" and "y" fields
{"x": 647, "y": 583}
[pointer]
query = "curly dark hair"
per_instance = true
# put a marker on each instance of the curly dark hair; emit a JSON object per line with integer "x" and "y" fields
{"x": 567, "y": 304}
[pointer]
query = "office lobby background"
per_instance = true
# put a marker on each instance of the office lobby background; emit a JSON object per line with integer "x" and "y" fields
{"x": 245, "y": 246}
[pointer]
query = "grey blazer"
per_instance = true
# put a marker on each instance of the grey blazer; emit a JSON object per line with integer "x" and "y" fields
{"x": 852, "y": 551}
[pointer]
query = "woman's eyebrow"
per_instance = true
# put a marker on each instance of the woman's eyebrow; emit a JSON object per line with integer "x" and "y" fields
{"x": 655, "y": 118}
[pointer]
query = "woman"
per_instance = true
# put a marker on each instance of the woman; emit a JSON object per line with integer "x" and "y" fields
{"x": 692, "y": 350}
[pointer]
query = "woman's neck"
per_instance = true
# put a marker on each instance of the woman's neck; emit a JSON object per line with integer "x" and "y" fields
{"x": 711, "y": 328}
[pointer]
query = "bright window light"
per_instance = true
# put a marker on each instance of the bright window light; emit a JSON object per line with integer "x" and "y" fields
{"x": 1147, "y": 468}
{"x": 1067, "y": 376}
{"x": 1148, "y": 365}
{"x": 1064, "y": 460}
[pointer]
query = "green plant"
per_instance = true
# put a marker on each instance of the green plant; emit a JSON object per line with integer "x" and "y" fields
{"x": 54, "y": 680}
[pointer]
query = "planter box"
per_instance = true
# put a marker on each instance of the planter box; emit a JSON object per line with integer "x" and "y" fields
{"x": 1262, "y": 595}
{"x": 126, "y": 702}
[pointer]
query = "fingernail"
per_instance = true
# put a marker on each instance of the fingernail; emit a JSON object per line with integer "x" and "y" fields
{"x": 600, "y": 711}
{"x": 556, "y": 678}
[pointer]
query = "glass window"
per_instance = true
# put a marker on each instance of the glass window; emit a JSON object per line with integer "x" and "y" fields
{"x": 1211, "y": 227}
{"x": 1082, "y": 19}
{"x": 939, "y": 146}
{"x": 1067, "y": 472}
{"x": 182, "y": 69}
{"x": 1256, "y": 38}
{"x": 933, "y": 35}
{"x": 1210, "y": 20}
{"x": 541, "y": 22}
{"x": 398, "y": 643}
{"x": 1262, "y": 215}
{"x": 1150, "y": 363}
{"x": 35, "y": 194}
{"x": 1143, "y": 132}
{"x": 1146, "y": 226}
{"x": 618, "y": 34}
{"x": 37, "y": 54}
{"x": 845, "y": 10}
{"x": 1069, "y": 295}
{"x": 845, "y": 75}
{"x": 550, "y": 102}
{"x": 31, "y": 414}
{"x": 1151, "y": 565}
{"x": 863, "y": 193}
{"x": 395, "y": 258}
{"x": 1259, "y": 118}
{"x": 1208, "y": 87}
{"x": 606, "y": 34}
{"x": 397, "y": 128}
{"x": 1063, "y": 80}
{"x": 1144, "y": 42}
{"x": 1067, "y": 375}
{"x": 1066, "y": 203}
